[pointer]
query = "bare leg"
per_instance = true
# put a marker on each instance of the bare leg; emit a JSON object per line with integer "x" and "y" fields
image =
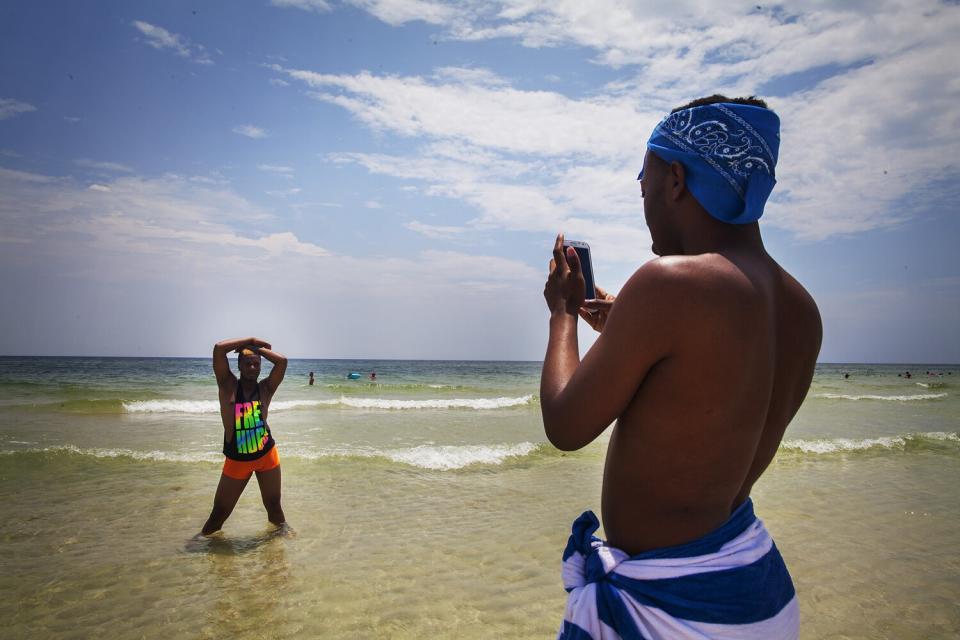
{"x": 269, "y": 482}
{"x": 228, "y": 492}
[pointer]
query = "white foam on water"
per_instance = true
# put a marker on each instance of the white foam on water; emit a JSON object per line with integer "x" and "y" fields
{"x": 440, "y": 458}
{"x": 154, "y": 456}
{"x": 212, "y": 406}
{"x": 172, "y": 406}
{"x": 426, "y": 456}
{"x": 449, "y": 457}
{"x": 837, "y": 445}
{"x": 918, "y": 396}
{"x": 445, "y": 403}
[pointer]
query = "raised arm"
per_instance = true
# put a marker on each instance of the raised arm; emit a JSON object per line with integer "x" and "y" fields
{"x": 279, "y": 362}
{"x": 221, "y": 368}
{"x": 581, "y": 399}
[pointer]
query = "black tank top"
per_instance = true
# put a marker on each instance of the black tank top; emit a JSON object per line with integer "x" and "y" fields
{"x": 251, "y": 435}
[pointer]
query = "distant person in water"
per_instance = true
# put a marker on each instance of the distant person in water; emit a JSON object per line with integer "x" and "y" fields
{"x": 686, "y": 557}
{"x": 247, "y": 442}
{"x": 311, "y": 379}
{"x": 373, "y": 375}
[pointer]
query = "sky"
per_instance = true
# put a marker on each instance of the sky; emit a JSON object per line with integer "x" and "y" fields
{"x": 385, "y": 178}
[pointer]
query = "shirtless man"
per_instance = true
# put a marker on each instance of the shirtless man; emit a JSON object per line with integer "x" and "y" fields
{"x": 702, "y": 361}
{"x": 247, "y": 442}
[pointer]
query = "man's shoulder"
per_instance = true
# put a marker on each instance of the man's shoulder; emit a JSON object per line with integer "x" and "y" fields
{"x": 682, "y": 276}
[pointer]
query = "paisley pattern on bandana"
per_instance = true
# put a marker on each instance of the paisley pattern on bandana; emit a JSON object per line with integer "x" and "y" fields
{"x": 726, "y": 141}
{"x": 729, "y": 152}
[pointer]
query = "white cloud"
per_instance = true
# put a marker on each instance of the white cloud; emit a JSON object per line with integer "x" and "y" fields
{"x": 136, "y": 215}
{"x": 196, "y": 254}
{"x": 159, "y": 38}
{"x": 277, "y": 82}
{"x": 436, "y": 232}
{"x": 113, "y": 167}
{"x": 10, "y": 108}
{"x": 250, "y": 131}
{"x": 320, "y": 6}
{"x": 283, "y": 193}
{"x": 393, "y": 12}
{"x": 397, "y": 12}
{"x": 311, "y": 205}
{"x": 372, "y": 204}
{"x": 277, "y": 169}
{"x": 484, "y": 114}
{"x": 527, "y": 159}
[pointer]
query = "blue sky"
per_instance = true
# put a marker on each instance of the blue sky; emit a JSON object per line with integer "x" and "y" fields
{"x": 384, "y": 178}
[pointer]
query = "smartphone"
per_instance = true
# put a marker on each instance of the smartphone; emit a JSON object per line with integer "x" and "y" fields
{"x": 586, "y": 265}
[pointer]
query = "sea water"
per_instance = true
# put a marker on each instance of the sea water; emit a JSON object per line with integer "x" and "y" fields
{"x": 427, "y": 503}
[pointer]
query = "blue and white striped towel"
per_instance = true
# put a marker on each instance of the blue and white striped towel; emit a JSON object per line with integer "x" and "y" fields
{"x": 731, "y": 583}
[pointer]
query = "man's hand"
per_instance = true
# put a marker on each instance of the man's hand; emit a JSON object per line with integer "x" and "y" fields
{"x": 595, "y": 312}
{"x": 565, "y": 288}
{"x": 254, "y": 344}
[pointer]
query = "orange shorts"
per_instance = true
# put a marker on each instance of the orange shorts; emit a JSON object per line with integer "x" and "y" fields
{"x": 243, "y": 470}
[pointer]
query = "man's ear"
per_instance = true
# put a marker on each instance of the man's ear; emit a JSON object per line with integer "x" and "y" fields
{"x": 678, "y": 180}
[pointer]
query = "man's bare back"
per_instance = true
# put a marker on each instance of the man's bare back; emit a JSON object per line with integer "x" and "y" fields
{"x": 709, "y": 417}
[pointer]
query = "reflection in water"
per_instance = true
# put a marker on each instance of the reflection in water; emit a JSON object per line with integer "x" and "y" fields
{"x": 249, "y": 575}
{"x": 219, "y": 543}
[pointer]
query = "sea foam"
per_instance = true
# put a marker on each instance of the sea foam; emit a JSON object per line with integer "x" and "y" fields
{"x": 211, "y": 406}
{"x": 456, "y": 457}
{"x": 839, "y": 445}
{"x": 898, "y": 398}
{"x": 433, "y": 457}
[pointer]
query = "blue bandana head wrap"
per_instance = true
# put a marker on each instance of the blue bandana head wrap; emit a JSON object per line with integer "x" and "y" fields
{"x": 729, "y": 153}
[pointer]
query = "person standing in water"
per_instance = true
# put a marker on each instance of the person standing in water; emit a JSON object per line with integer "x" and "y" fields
{"x": 311, "y": 379}
{"x": 702, "y": 361}
{"x": 247, "y": 442}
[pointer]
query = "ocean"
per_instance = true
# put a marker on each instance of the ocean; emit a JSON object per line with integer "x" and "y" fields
{"x": 427, "y": 503}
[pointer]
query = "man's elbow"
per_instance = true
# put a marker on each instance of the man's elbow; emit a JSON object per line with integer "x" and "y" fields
{"x": 561, "y": 435}
{"x": 562, "y": 443}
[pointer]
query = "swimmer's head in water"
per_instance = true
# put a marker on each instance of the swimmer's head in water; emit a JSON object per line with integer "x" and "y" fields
{"x": 248, "y": 362}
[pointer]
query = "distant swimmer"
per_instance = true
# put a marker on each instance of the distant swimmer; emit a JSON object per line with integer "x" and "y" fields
{"x": 373, "y": 375}
{"x": 907, "y": 375}
{"x": 247, "y": 442}
{"x": 846, "y": 376}
{"x": 311, "y": 379}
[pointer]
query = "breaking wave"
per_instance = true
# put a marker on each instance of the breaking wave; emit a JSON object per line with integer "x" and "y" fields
{"x": 211, "y": 406}
{"x": 432, "y": 457}
{"x": 898, "y": 398}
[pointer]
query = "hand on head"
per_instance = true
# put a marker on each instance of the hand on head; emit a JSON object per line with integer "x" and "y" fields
{"x": 253, "y": 347}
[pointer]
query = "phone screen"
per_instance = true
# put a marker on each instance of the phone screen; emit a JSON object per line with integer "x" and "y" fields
{"x": 586, "y": 266}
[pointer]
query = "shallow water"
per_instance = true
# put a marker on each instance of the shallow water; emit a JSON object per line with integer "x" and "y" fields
{"x": 413, "y": 520}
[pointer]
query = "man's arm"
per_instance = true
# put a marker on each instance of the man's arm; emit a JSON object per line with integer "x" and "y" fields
{"x": 221, "y": 368}
{"x": 279, "y": 362}
{"x": 581, "y": 399}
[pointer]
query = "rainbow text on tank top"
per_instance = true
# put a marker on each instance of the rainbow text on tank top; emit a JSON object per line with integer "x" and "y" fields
{"x": 251, "y": 435}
